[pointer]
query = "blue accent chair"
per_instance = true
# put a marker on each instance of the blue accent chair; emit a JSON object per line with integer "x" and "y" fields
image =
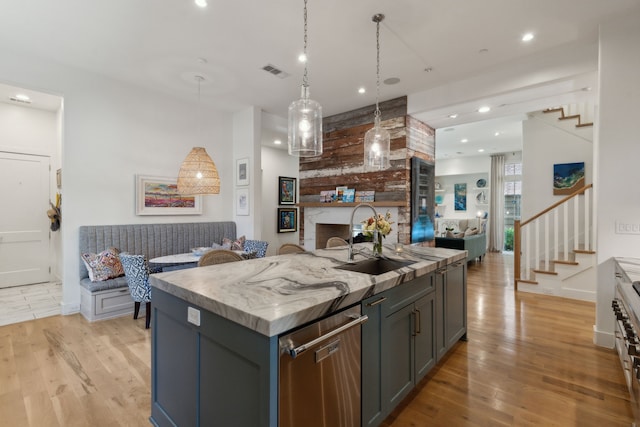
{"x": 136, "y": 271}
{"x": 257, "y": 246}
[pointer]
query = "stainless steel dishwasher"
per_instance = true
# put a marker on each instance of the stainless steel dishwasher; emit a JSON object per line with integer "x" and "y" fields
{"x": 320, "y": 377}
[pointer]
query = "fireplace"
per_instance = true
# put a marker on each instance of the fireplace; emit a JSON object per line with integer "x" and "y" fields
{"x": 320, "y": 223}
{"x": 324, "y": 231}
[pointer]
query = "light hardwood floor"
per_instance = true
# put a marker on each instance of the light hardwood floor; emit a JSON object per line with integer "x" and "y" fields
{"x": 529, "y": 360}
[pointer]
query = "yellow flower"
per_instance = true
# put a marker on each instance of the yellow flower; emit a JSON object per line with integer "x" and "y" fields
{"x": 382, "y": 223}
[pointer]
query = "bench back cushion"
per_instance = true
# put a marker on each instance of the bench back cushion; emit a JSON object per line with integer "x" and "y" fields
{"x": 153, "y": 240}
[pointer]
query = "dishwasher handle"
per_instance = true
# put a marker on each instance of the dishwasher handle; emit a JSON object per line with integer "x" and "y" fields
{"x": 295, "y": 352}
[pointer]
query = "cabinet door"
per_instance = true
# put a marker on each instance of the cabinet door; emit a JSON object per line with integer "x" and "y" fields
{"x": 397, "y": 358}
{"x": 425, "y": 340}
{"x": 455, "y": 303}
{"x": 440, "y": 311}
{"x": 372, "y": 402}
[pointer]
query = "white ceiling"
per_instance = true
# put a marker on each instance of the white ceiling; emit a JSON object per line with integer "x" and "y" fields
{"x": 160, "y": 44}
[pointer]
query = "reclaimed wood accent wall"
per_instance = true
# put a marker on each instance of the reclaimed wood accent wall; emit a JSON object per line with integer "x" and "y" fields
{"x": 341, "y": 163}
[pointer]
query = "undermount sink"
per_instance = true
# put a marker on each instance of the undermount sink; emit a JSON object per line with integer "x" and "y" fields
{"x": 375, "y": 266}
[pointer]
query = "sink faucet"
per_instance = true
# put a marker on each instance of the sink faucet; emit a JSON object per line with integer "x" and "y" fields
{"x": 375, "y": 230}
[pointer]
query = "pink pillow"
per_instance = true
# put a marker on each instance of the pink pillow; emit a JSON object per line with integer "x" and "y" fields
{"x": 234, "y": 245}
{"x": 103, "y": 266}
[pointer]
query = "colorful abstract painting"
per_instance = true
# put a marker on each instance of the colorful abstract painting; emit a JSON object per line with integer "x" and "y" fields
{"x": 460, "y": 197}
{"x": 159, "y": 196}
{"x": 567, "y": 178}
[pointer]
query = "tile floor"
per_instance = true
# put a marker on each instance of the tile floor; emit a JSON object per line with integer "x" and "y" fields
{"x": 29, "y": 302}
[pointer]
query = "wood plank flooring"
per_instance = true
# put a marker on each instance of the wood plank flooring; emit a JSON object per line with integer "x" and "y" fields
{"x": 529, "y": 361}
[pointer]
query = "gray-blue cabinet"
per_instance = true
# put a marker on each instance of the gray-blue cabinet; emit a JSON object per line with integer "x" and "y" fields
{"x": 397, "y": 345}
{"x": 215, "y": 373}
{"x": 451, "y": 306}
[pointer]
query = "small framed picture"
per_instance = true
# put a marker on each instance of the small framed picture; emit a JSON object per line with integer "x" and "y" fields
{"x": 340, "y": 194}
{"x": 287, "y": 220}
{"x": 286, "y": 190}
{"x": 242, "y": 201}
{"x": 242, "y": 171}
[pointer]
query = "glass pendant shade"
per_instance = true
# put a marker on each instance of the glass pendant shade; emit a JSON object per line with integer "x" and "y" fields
{"x": 305, "y": 126}
{"x": 377, "y": 148}
{"x": 198, "y": 174}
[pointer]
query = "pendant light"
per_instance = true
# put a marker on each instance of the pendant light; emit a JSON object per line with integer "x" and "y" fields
{"x": 305, "y": 116}
{"x": 198, "y": 174}
{"x": 377, "y": 141}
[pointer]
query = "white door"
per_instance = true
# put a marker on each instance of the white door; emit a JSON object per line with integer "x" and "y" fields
{"x": 24, "y": 225}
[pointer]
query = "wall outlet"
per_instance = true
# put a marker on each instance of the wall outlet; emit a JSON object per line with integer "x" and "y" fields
{"x": 193, "y": 316}
{"x": 627, "y": 228}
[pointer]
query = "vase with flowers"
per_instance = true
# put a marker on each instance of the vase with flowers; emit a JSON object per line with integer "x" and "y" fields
{"x": 381, "y": 223}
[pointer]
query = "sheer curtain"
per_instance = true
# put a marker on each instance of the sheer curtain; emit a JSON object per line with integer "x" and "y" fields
{"x": 496, "y": 215}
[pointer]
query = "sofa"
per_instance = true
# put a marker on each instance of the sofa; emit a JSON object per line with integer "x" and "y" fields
{"x": 463, "y": 233}
{"x": 110, "y": 298}
{"x": 475, "y": 245}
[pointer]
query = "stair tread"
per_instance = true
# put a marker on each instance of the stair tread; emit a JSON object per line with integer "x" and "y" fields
{"x": 581, "y": 251}
{"x": 554, "y": 273}
{"x": 531, "y": 282}
{"x": 553, "y": 110}
{"x": 573, "y": 116}
{"x": 559, "y": 261}
{"x": 581, "y": 125}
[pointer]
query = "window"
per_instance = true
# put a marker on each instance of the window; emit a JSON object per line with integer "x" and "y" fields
{"x": 512, "y": 195}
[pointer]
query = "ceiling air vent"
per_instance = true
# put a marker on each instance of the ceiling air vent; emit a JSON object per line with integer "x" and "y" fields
{"x": 275, "y": 71}
{"x": 22, "y": 101}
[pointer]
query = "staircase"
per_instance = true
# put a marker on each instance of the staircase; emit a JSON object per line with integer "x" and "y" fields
{"x": 554, "y": 250}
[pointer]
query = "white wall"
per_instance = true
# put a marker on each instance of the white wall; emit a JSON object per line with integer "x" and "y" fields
{"x": 276, "y": 163}
{"x": 543, "y": 146}
{"x": 617, "y": 192}
{"x": 111, "y": 132}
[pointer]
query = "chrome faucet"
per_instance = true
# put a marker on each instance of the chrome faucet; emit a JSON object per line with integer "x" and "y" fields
{"x": 375, "y": 230}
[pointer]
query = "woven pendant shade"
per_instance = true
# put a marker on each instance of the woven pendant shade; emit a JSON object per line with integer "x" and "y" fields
{"x": 198, "y": 174}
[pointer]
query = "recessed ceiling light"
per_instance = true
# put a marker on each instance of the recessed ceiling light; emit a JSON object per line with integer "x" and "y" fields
{"x": 464, "y": 140}
{"x": 497, "y": 134}
{"x": 277, "y": 142}
{"x": 201, "y": 3}
{"x": 391, "y": 81}
{"x": 481, "y": 51}
{"x": 453, "y": 116}
{"x": 22, "y": 97}
{"x": 484, "y": 109}
{"x": 527, "y": 37}
{"x": 481, "y": 150}
{"x": 362, "y": 90}
{"x": 302, "y": 57}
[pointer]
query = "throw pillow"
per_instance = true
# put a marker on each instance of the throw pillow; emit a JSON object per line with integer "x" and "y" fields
{"x": 234, "y": 245}
{"x": 449, "y": 234}
{"x": 470, "y": 231}
{"x": 103, "y": 266}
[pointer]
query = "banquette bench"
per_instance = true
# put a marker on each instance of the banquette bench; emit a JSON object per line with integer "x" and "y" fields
{"x": 111, "y": 298}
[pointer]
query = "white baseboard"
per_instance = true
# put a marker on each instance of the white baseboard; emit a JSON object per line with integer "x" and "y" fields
{"x": 603, "y": 339}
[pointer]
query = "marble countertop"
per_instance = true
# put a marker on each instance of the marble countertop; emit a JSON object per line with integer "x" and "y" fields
{"x": 274, "y": 294}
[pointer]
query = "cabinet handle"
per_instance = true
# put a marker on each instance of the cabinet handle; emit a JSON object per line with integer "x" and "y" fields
{"x": 417, "y": 320}
{"x": 295, "y": 352}
{"x": 376, "y": 302}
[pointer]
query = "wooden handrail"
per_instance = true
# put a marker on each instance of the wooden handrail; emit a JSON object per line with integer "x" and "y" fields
{"x": 517, "y": 237}
{"x": 555, "y": 205}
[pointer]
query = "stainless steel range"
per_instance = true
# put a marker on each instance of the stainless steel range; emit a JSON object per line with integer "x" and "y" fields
{"x": 626, "y": 308}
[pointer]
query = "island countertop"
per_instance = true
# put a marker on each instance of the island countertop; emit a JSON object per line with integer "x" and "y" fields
{"x": 274, "y": 294}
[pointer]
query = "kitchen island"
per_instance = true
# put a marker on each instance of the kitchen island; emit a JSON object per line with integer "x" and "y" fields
{"x": 215, "y": 329}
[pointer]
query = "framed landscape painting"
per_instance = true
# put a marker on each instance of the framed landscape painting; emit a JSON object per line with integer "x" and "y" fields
{"x": 567, "y": 178}
{"x": 157, "y": 195}
{"x": 460, "y": 197}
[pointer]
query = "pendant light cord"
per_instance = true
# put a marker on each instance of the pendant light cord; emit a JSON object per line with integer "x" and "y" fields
{"x": 305, "y": 81}
{"x": 377, "y": 20}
